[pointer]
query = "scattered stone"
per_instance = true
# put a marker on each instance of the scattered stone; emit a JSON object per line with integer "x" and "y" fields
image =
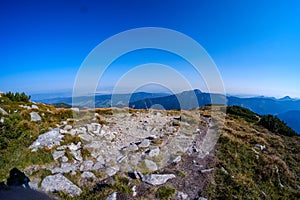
{"x": 57, "y": 154}
{"x": 88, "y": 175}
{"x": 151, "y": 165}
{"x": 74, "y": 147}
{"x": 2, "y": 120}
{"x": 153, "y": 151}
{"x": 77, "y": 155}
{"x": 134, "y": 193}
{"x": 3, "y": 111}
{"x": 48, "y": 139}
{"x": 87, "y": 165}
{"x": 68, "y": 127}
{"x": 157, "y": 179}
{"x": 58, "y": 182}
{"x": 75, "y": 109}
{"x": 202, "y": 198}
{"x": 65, "y": 168}
{"x": 98, "y": 165}
{"x": 182, "y": 196}
{"x": 132, "y": 147}
{"x": 35, "y": 117}
{"x": 110, "y": 171}
{"x": 224, "y": 170}
{"x": 176, "y": 160}
{"x": 34, "y": 107}
{"x": 207, "y": 170}
{"x": 64, "y": 159}
{"x": 261, "y": 147}
{"x": 112, "y": 196}
{"x": 122, "y": 158}
{"x": 86, "y": 137}
{"x": 145, "y": 143}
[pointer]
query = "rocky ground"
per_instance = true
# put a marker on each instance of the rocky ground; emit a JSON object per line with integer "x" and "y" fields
{"x": 154, "y": 147}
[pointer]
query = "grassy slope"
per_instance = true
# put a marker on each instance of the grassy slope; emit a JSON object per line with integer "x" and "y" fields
{"x": 248, "y": 172}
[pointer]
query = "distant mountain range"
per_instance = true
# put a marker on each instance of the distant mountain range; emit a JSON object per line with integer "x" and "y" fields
{"x": 287, "y": 109}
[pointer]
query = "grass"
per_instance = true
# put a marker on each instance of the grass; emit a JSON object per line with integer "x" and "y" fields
{"x": 251, "y": 175}
{"x": 165, "y": 192}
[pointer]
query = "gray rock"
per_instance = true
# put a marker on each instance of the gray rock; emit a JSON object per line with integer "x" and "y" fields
{"x": 64, "y": 159}
{"x": 110, "y": 171}
{"x": 182, "y": 196}
{"x": 2, "y": 120}
{"x": 88, "y": 175}
{"x": 49, "y": 140}
{"x": 261, "y": 147}
{"x": 98, "y": 165}
{"x": 153, "y": 151}
{"x": 176, "y": 160}
{"x": 65, "y": 168}
{"x": 157, "y": 179}
{"x": 207, "y": 170}
{"x": 134, "y": 193}
{"x": 57, "y": 154}
{"x": 145, "y": 143}
{"x": 132, "y": 147}
{"x": 3, "y": 111}
{"x": 35, "y": 117}
{"x": 68, "y": 127}
{"x": 74, "y": 147}
{"x": 202, "y": 198}
{"x": 86, "y": 137}
{"x": 58, "y": 182}
{"x": 151, "y": 165}
{"x": 77, "y": 155}
{"x": 112, "y": 196}
{"x": 87, "y": 165}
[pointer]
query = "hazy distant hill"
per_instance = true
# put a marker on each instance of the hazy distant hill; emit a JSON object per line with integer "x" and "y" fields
{"x": 292, "y": 118}
{"x": 284, "y": 108}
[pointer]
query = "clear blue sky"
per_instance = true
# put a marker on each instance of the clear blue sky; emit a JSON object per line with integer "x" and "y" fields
{"x": 254, "y": 43}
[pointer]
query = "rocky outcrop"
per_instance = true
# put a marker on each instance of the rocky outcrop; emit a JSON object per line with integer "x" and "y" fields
{"x": 48, "y": 139}
{"x": 35, "y": 117}
{"x": 58, "y": 182}
{"x": 157, "y": 179}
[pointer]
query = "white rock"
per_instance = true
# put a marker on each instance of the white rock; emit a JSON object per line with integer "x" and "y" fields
{"x": 57, "y": 154}
{"x": 134, "y": 193}
{"x": 49, "y": 140}
{"x": 3, "y": 111}
{"x": 87, "y": 165}
{"x": 110, "y": 171}
{"x": 58, "y": 182}
{"x": 74, "y": 147}
{"x": 112, "y": 196}
{"x": 75, "y": 109}
{"x": 34, "y": 107}
{"x": 68, "y": 127}
{"x": 182, "y": 196}
{"x": 35, "y": 117}
{"x": 151, "y": 165}
{"x": 177, "y": 159}
{"x": 157, "y": 179}
{"x": 64, "y": 159}
{"x": 153, "y": 151}
{"x": 145, "y": 143}
{"x": 88, "y": 175}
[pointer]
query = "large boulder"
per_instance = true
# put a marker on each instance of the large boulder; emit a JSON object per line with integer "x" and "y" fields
{"x": 35, "y": 117}
{"x": 58, "y": 182}
{"x": 157, "y": 179}
{"x": 49, "y": 140}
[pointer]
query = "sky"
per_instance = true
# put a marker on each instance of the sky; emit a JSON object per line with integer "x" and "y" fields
{"x": 255, "y": 44}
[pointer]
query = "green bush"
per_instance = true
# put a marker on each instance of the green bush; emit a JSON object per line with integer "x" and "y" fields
{"x": 165, "y": 192}
{"x": 237, "y": 111}
{"x": 275, "y": 125}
